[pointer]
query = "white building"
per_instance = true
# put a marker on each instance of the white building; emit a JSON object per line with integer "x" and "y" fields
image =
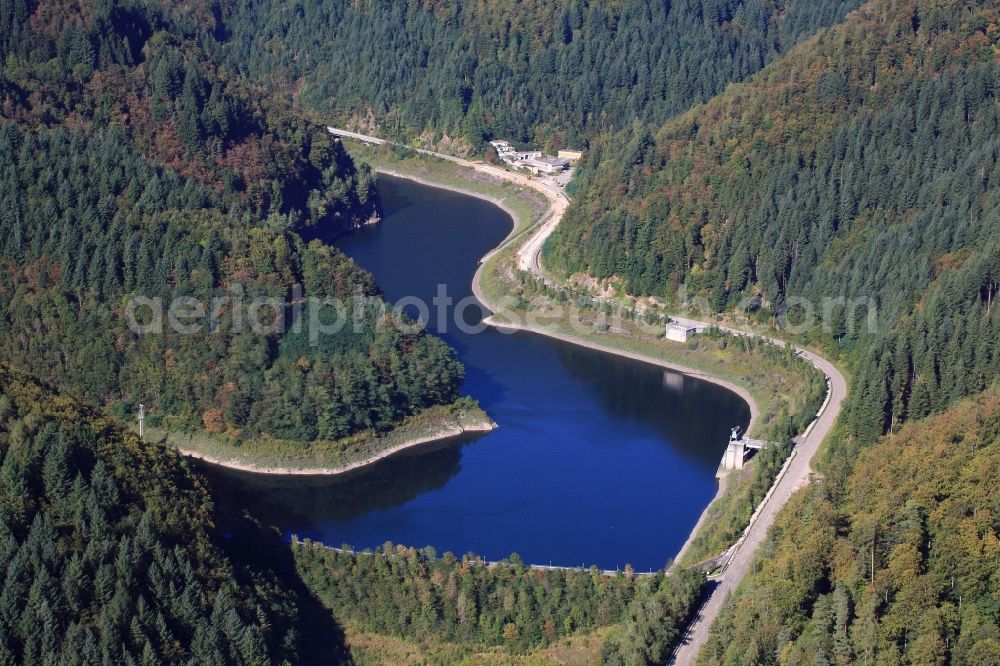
{"x": 546, "y": 165}
{"x": 502, "y": 148}
{"x": 680, "y": 332}
{"x": 553, "y": 164}
{"x": 523, "y": 156}
{"x": 534, "y": 161}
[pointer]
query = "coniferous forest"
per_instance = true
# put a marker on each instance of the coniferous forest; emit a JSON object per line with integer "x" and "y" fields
{"x": 540, "y": 72}
{"x": 133, "y": 166}
{"x": 863, "y": 167}
{"x": 895, "y": 562}
{"x": 503, "y": 604}
{"x": 110, "y": 555}
{"x": 770, "y": 152}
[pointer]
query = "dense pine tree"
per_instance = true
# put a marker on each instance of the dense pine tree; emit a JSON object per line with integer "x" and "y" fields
{"x": 108, "y": 553}
{"x": 149, "y": 173}
{"x": 414, "y": 594}
{"x": 835, "y": 180}
{"x": 542, "y": 72}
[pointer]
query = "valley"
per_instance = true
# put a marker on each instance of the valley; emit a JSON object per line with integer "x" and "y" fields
{"x": 621, "y": 333}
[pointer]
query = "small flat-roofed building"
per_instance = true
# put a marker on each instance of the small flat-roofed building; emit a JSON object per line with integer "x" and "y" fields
{"x": 553, "y": 164}
{"x": 540, "y": 165}
{"x": 571, "y": 155}
{"x": 502, "y": 147}
{"x": 680, "y": 332}
{"x": 527, "y": 165}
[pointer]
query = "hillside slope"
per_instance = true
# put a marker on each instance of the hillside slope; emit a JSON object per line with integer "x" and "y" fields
{"x": 875, "y": 129}
{"x": 133, "y": 167}
{"x": 109, "y": 554}
{"x": 556, "y": 72}
{"x": 895, "y": 563}
{"x": 862, "y": 165}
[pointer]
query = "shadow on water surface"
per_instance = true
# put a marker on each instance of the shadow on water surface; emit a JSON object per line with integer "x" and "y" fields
{"x": 489, "y": 391}
{"x": 598, "y": 459}
{"x": 678, "y": 409}
{"x": 301, "y": 504}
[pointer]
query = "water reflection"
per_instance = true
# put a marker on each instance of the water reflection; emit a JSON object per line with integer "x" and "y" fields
{"x": 632, "y": 390}
{"x": 301, "y": 504}
{"x": 598, "y": 459}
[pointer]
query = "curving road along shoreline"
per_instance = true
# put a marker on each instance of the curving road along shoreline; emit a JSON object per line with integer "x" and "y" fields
{"x": 799, "y": 469}
{"x": 796, "y": 476}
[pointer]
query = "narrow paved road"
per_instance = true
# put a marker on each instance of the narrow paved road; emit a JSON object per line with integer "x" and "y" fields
{"x": 796, "y": 476}
{"x": 529, "y": 253}
{"x": 799, "y": 470}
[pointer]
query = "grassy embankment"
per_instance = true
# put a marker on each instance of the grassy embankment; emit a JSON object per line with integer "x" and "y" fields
{"x": 785, "y": 390}
{"x": 776, "y": 381}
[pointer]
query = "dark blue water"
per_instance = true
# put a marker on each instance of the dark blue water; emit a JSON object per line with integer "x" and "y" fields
{"x": 598, "y": 459}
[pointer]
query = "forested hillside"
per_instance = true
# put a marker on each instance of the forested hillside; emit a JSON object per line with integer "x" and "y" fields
{"x": 147, "y": 68}
{"x": 109, "y": 555}
{"x": 149, "y": 148}
{"x": 413, "y": 594}
{"x": 556, "y": 72}
{"x": 132, "y": 166}
{"x": 861, "y": 165}
{"x": 895, "y": 563}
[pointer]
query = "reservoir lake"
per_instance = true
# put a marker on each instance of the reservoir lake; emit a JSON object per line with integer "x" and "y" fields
{"x": 598, "y": 459}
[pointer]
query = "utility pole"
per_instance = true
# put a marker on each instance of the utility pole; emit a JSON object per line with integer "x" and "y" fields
{"x": 142, "y": 417}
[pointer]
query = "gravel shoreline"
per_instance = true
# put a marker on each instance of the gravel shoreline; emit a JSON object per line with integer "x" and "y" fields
{"x": 242, "y": 466}
{"x": 492, "y": 321}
